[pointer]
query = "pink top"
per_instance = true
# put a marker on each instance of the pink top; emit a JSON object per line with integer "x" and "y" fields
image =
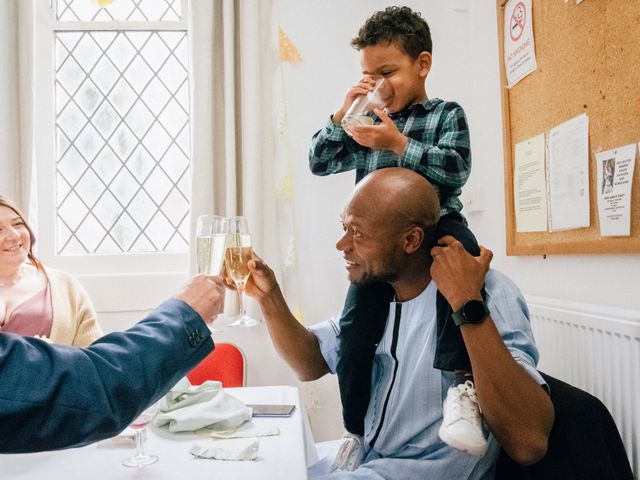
{"x": 32, "y": 317}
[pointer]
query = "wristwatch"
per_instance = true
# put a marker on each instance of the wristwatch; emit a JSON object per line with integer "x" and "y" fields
{"x": 474, "y": 311}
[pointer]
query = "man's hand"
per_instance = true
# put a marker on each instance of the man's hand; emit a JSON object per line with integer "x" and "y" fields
{"x": 205, "y": 294}
{"x": 383, "y": 136}
{"x": 458, "y": 274}
{"x": 262, "y": 281}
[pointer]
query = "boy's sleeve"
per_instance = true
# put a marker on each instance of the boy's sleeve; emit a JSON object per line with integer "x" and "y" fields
{"x": 330, "y": 152}
{"x": 447, "y": 163}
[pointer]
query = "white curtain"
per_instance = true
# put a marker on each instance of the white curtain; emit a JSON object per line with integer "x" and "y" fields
{"x": 234, "y": 63}
{"x": 16, "y": 100}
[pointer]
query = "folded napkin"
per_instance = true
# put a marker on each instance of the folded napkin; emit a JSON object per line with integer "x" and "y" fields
{"x": 187, "y": 408}
{"x": 239, "y": 451}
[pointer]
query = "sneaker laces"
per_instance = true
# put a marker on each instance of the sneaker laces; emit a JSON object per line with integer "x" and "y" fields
{"x": 464, "y": 401}
{"x": 350, "y": 452}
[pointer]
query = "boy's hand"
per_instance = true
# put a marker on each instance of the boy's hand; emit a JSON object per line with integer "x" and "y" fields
{"x": 458, "y": 274}
{"x": 364, "y": 86}
{"x": 383, "y": 136}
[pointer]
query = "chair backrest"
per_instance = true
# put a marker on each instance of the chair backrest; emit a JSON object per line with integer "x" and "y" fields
{"x": 226, "y": 364}
{"x": 584, "y": 443}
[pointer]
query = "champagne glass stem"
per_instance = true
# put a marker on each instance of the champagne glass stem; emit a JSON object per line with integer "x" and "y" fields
{"x": 241, "y": 297}
{"x": 140, "y": 442}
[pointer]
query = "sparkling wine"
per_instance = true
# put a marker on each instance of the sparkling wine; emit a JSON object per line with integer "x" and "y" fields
{"x": 236, "y": 259}
{"x": 210, "y": 253}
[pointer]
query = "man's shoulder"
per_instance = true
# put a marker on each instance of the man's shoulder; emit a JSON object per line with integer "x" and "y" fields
{"x": 498, "y": 281}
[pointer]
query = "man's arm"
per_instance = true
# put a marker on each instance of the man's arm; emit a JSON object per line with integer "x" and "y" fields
{"x": 516, "y": 408}
{"x": 54, "y": 396}
{"x": 294, "y": 343}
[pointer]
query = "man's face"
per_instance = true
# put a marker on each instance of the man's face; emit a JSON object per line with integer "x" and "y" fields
{"x": 405, "y": 75}
{"x": 371, "y": 247}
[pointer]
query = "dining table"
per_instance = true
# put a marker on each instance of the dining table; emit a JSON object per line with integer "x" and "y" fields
{"x": 284, "y": 455}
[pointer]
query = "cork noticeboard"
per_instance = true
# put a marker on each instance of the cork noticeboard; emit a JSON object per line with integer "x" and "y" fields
{"x": 588, "y": 58}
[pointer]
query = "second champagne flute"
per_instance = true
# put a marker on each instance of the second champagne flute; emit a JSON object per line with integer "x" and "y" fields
{"x": 237, "y": 255}
{"x": 210, "y": 243}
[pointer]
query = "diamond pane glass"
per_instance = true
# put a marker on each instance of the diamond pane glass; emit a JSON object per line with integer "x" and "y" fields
{"x": 122, "y": 122}
{"x": 119, "y": 10}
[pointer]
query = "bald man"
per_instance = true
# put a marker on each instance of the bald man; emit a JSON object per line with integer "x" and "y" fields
{"x": 389, "y": 223}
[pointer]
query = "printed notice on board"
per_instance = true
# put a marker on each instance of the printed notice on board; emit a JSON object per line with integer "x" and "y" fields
{"x": 615, "y": 175}
{"x": 568, "y": 174}
{"x": 519, "y": 48}
{"x": 530, "y": 186}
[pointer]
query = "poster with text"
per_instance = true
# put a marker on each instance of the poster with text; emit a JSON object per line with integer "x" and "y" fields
{"x": 615, "y": 175}
{"x": 519, "y": 47}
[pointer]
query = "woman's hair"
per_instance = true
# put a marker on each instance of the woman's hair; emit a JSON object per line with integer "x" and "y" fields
{"x": 5, "y": 202}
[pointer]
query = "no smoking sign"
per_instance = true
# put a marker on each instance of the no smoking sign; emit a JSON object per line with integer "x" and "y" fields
{"x": 517, "y": 22}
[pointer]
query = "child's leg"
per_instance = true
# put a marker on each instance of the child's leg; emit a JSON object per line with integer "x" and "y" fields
{"x": 361, "y": 327}
{"x": 461, "y": 425}
{"x": 451, "y": 353}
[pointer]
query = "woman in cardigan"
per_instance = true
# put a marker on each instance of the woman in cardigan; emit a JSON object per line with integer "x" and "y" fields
{"x": 35, "y": 300}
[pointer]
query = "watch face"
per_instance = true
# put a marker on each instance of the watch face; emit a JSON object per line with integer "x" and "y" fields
{"x": 474, "y": 311}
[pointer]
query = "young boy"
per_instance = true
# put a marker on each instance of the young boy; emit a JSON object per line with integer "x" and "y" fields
{"x": 431, "y": 137}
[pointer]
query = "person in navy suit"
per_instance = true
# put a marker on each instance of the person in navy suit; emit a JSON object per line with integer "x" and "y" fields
{"x": 54, "y": 396}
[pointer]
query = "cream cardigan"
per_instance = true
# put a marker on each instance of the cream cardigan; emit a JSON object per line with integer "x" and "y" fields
{"x": 74, "y": 318}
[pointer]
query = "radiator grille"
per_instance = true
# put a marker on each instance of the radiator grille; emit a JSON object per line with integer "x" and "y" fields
{"x": 596, "y": 350}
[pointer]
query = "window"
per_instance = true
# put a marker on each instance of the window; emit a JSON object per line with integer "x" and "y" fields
{"x": 114, "y": 165}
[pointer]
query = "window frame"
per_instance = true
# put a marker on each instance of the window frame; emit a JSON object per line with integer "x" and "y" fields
{"x": 116, "y": 282}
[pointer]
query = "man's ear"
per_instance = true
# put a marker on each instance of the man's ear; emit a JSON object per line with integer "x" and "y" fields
{"x": 424, "y": 62}
{"x": 413, "y": 240}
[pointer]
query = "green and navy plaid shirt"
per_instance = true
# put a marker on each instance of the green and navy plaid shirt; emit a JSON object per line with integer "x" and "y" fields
{"x": 438, "y": 148}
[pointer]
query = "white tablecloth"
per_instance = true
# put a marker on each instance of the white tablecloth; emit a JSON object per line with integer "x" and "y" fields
{"x": 284, "y": 456}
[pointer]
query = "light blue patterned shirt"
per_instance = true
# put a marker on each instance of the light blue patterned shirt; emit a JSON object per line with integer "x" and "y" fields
{"x": 405, "y": 410}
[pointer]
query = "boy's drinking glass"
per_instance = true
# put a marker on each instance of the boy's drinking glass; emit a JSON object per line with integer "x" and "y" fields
{"x": 361, "y": 110}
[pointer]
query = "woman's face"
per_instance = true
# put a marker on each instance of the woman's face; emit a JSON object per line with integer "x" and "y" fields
{"x": 15, "y": 242}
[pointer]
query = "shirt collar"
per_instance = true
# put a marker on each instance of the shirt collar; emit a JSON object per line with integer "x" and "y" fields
{"x": 427, "y": 105}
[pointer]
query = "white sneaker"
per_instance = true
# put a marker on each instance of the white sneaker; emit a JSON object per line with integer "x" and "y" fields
{"x": 462, "y": 422}
{"x": 350, "y": 454}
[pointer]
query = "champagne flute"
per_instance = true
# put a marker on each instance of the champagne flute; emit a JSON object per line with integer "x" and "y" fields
{"x": 141, "y": 459}
{"x": 237, "y": 255}
{"x": 211, "y": 236}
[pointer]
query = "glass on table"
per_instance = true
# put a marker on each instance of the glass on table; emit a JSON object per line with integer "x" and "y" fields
{"x": 237, "y": 255}
{"x": 141, "y": 459}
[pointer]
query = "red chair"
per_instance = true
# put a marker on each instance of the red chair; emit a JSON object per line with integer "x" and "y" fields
{"x": 225, "y": 364}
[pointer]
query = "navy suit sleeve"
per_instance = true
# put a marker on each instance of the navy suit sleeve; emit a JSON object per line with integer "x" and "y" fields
{"x": 54, "y": 396}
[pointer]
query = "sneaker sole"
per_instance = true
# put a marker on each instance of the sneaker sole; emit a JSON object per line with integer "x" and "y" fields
{"x": 476, "y": 450}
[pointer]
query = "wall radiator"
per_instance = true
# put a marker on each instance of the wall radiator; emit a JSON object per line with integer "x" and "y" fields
{"x": 597, "y": 350}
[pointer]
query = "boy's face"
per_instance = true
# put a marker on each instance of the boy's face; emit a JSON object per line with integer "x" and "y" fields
{"x": 406, "y": 75}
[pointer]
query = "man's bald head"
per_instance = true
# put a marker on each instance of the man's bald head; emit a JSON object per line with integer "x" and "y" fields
{"x": 397, "y": 196}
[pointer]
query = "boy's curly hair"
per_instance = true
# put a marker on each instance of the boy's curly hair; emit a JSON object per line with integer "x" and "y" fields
{"x": 400, "y": 25}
